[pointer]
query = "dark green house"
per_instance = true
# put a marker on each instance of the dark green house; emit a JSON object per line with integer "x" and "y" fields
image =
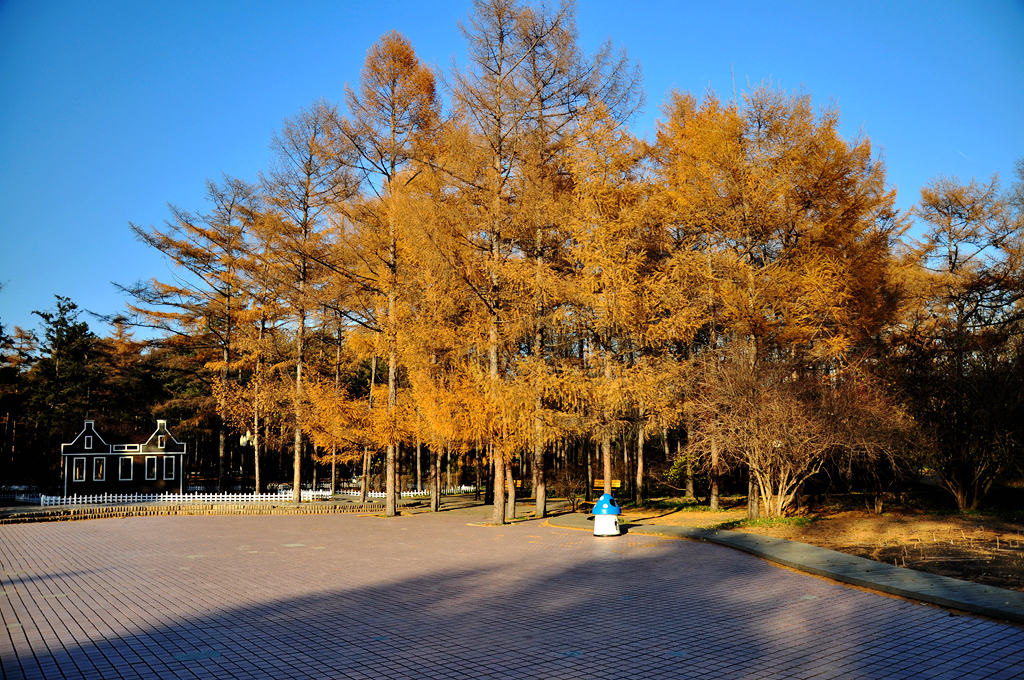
{"x": 92, "y": 466}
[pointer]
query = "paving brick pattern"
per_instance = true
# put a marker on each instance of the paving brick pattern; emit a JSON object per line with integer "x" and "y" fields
{"x": 430, "y": 596}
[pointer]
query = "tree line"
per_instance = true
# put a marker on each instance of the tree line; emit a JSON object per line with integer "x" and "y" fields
{"x": 508, "y": 285}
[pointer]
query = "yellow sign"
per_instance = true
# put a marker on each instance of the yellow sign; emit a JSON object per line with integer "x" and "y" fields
{"x": 599, "y": 483}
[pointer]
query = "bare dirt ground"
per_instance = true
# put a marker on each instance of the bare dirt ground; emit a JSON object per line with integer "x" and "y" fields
{"x": 978, "y": 548}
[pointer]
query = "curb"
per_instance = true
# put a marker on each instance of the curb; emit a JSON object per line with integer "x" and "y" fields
{"x": 944, "y": 591}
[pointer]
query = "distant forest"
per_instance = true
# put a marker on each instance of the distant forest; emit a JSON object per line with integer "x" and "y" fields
{"x": 495, "y": 281}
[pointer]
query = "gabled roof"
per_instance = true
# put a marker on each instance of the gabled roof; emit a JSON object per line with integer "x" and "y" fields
{"x": 171, "y": 445}
{"x": 78, "y": 443}
{"x": 152, "y": 445}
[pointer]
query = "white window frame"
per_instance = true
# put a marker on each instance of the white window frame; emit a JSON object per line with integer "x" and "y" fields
{"x": 168, "y": 467}
{"x": 150, "y": 458}
{"x": 161, "y": 441}
{"x": 101, "y": 463}
{"x": 75, "y": 477}
{"x": 120, "y": 468}
{"x": 88, "y": 441}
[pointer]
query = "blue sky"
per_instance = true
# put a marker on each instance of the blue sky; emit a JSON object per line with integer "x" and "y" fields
{"x": 109, "y": 110}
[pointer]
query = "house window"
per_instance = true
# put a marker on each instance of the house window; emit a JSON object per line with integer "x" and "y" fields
{"x": 168, "y": 467}
{"x": 150, "y": 467}
{"x": 88, "y": 442}
{"x": 99, "y": 469}
{"x": 124, "y": 469}
{"x": 161, "y": 441}
{"x": 78, "y": 469}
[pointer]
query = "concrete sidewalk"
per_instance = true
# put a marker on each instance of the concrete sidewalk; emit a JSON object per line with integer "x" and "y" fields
{"x": 944, "y": 591}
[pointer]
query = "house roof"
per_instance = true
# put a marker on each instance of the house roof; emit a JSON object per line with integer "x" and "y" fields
{"x": 77, "y": 446}
{"x": 78, "y": 443}
{"x": 153, "y": 443}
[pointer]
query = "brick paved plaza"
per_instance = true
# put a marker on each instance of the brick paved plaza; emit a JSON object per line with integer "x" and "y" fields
{"x": 430, "y": 596}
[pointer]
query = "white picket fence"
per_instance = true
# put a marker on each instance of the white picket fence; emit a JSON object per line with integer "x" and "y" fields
{"x": 307, "y": 495}
{"x": 95, "y": 499}
{"x": 453, "y": 491}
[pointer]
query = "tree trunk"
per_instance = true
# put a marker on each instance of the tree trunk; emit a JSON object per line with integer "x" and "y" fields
{"x": 689, "y": 472}
{"x": 540, "y": 487}
{"x": 526, "y": 472}
{"x": 489, "y": 480}
{"x": 606, "y": 460}
{"x": 337, "y": 387}
{"x": 449, "y": 463}
{"x": 639, "y": 490}
{"x": 256, "y": 445}
{"x": 221, "y": 453}
{"x": 398, "y": 485}
{"x": 419, "y": 465}
{"x": 435, "y": 480}
{"x": 390, "y": 483}
{"x": 497, "y": 455}
{"x": 589, "y": 464}
{"x": 442, "y": 464}
{"x": 511, "y": 484}
{"x": 297, "y": 466}
{"x": 539, "y": 483}
{"x": 625, "y": 490}
{"x": 753, "y": 499}
{"x": 498, "y": 464}
{"x": 300, "y": 340}
{"x": 280, "y": 454}
{"x": 364, "y": 484}
{"x": 478, "y": 466}
{"x": 713, "y": 492}
{"x": 221, "y": 429}
{"x": 606, "y": 441}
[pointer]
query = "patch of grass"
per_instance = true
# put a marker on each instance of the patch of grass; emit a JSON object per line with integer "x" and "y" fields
{"x": 680, "y": 504}
{"x": 670, "y": 504}
{"x": 767, "y": 522}
{"x": 1016, "y": 516}
{"x": 988, "y": 513}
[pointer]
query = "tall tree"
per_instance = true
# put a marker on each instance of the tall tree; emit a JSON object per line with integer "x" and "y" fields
{"x": 62, "y": 383}
{"x": 796, "y": 224}
{"x": 610, "y": 255}
{"x": 16, "y": 357}
{"x": 306, "y": 181}
{"x": 257, "y": 332}
{"x": 558, "y": 83}
{"x": 956, "y": 347}
{"x": 393, "y": 111}
{"x": 519, "y": 94}
{"x": 200, "y": 306}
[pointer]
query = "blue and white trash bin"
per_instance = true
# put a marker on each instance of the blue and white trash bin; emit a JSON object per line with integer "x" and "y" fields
{"x": 606, "y": 516}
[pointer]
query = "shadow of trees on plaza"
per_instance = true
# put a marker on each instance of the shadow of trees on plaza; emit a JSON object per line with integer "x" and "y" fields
{"x": 669, "y": 609}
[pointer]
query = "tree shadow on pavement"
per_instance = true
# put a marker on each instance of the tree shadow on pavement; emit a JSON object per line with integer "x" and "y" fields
{"x": 555, "y": 604}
